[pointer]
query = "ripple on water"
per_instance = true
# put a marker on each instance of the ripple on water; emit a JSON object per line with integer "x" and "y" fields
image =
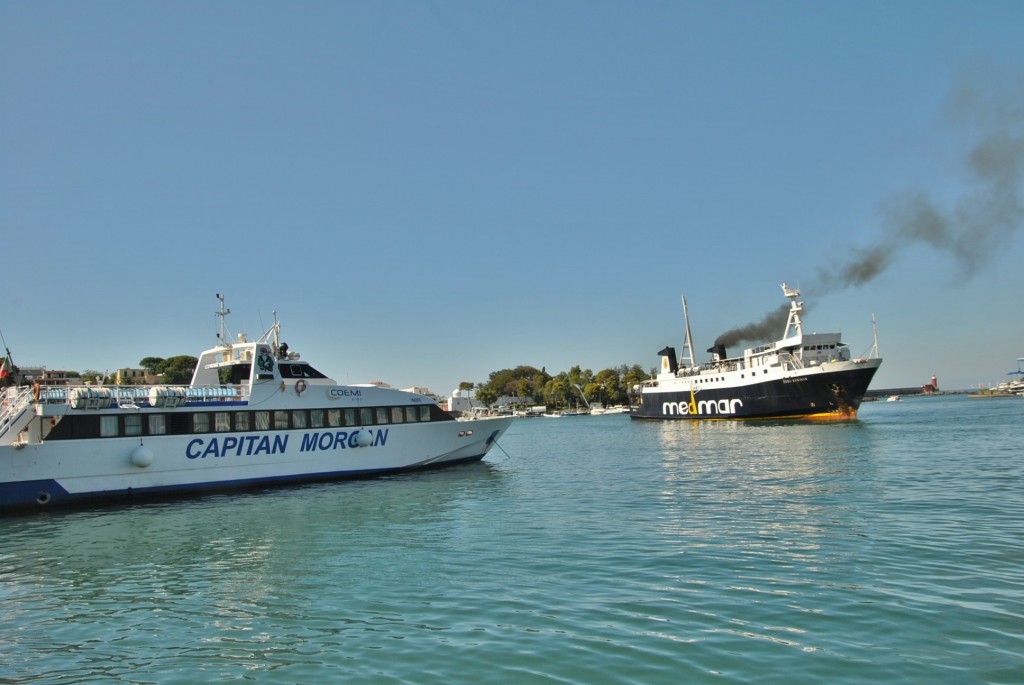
{"x": 602, "y": 550}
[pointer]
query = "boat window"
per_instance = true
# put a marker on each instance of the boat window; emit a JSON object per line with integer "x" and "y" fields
{"x": 333, "y": 418}
{"x": 425, "y": 413}
{"x": 397, "y": 414}
{"x": 132, "y": 424}
{"x": 316, "y": 418}
{"x": 236, "y": 375}
{"x": 280, "y": 419}
{"x": 108, "y": 426}
{"x": 411, "y": 415}
{"x": 299, "y": 418}
{"x": 262, "y": 420}
{"x": 241, "y": 420}
{"x": 366, "y": 417}
{"x": 382, "y": 415}
{"x": 299, "y": 371}
{"x": 157, "y": 424}
{"x": 350, "y": 418}
{"x": 222, "y": 421}
{"x": 200, "y": 423}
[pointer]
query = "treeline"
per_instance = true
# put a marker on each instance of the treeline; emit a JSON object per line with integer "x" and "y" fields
{"x": 173, "y": 370}
{"x": 537, "y": 386}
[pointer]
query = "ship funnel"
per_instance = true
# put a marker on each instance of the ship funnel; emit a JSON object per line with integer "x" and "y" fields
{"x": 669, "y": 362}
{"x": 717, "y": 352}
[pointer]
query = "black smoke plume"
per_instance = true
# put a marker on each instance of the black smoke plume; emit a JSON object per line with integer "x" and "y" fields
{"x": 768, "y": 328}
{"x": 980, "y": 222}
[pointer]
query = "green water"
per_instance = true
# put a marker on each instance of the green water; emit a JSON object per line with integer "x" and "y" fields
{"x": 592, "y": 550}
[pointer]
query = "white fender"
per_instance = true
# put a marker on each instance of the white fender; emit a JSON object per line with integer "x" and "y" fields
{"x": 142, "y": 456}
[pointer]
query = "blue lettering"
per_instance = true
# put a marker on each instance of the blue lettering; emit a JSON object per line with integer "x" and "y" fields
{"x": 382, "y": 437}
{"x": 335, "y": 393}
{"x": 326, "y": 441}
{"x": 308, "y": 442}
{"x": 339, "y": 439}
{"x": 249, "y": 445}
{"x": 211, "y": 449}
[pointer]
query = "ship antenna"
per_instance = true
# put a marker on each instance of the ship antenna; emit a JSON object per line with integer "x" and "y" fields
{"x": 223, "y": 313}
{"x": 795, "y": 307}
{"x": 874, "y": 326}
{"x": 687, "y": 350}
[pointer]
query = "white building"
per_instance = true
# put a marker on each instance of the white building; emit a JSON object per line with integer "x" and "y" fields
{"x": 464, "y": 402}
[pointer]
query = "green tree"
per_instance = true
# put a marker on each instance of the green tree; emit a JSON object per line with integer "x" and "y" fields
{"x": 151, "y": 364}
{"x": 93, "y": 376}
{"x": 178, "y": 370}
{"x": 486, "y": 395}
{"x": 523, "y": 381}
{"x": 607, "y": 387}
{"x": 631, "y": 376}
{"x": 558, "y": 390}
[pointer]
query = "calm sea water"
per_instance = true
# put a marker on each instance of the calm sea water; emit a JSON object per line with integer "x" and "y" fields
{"x": 597, "y": 550}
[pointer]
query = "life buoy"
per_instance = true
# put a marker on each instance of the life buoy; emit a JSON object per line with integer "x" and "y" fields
{"x": 300, "y": 387}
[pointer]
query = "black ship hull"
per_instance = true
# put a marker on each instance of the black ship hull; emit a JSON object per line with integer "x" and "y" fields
{"x": 834, "y": 395}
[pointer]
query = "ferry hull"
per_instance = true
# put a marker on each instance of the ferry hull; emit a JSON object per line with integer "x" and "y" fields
{"x": 82, "y": 472}
{"x": 826, "y": 395}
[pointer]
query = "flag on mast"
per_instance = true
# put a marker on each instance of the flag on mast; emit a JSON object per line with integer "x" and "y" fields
{"x": 5, "y": 370}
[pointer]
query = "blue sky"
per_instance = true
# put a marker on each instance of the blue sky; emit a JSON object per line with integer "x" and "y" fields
{"x": 427, "y": 192}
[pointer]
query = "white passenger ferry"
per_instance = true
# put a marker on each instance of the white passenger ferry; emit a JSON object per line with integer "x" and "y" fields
{"x": 800, "y": 376}
{"x": 254, "y": 414}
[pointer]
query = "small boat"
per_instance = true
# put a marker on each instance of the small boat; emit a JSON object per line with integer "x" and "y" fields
{"x": 254, "y": 415}
{"x": 800, "y": 376}
{"x": 1013, "y": 387}
{"x": 893, "y": 398}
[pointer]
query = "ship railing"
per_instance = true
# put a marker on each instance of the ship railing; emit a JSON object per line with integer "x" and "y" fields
{"x": 790, "y": 360}
{"x": 14, "y": 402}
{"x": 134, "y": 396}
{"x": 716, "y": 367}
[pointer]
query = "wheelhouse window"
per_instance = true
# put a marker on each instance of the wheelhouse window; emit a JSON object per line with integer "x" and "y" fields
{"x": 289, "y": 370}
